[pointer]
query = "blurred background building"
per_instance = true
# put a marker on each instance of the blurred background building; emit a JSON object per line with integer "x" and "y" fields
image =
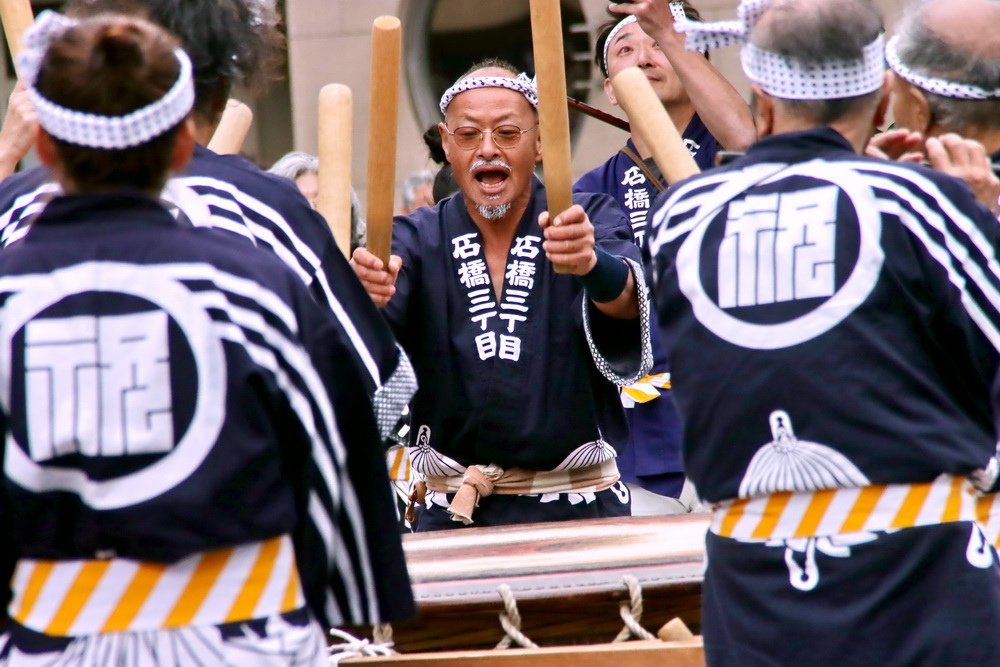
{"x": 329, "y": 41}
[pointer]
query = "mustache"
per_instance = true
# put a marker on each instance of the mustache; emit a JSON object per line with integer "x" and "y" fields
{"x": 495, "y": 162}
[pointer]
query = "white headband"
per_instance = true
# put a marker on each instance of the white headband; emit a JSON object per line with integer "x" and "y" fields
{"x": 702, "y": 36}
{"x": 628, "y": 20}
{"x": 932, "y": 84}
{"x": 782, "y": 76}
{"x": 91, "y": 130}
{"x": 788, "y": 79}
{"x": 522, "y": 84}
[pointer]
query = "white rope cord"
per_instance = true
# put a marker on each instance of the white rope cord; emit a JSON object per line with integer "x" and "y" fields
{"x": 631, "y": 612}
{"x": 510, "y": 620}
{"x": 353, "y": 647}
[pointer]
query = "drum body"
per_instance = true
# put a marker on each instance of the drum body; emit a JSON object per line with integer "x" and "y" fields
{"x": 567, "y": 578}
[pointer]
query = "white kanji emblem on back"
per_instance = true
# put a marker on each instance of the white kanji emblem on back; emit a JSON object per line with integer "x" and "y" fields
{"x": 98, "y": 386}
{"x": 779, "y": 248}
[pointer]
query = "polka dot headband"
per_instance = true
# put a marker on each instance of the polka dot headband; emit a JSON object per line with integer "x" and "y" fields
{"x": 782, "y": 76}
{"x": 932, "y": 84}
{"x": 788, "y": 79}
{"x": 521, "y": 84}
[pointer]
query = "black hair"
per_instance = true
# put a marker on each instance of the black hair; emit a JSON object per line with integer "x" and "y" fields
{"x": 229, "y": 41}
{"x": 432, "y": 139}
{"x": 112, "y": 66}
{"x": 445, "y": 184}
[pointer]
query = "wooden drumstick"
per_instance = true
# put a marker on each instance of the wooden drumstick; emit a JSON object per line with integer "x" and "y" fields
{"x": 650, "y": 121}
{"x": 16, "y": 16}
{"x": 553, "y": 115}
{"x": 674, "y": 630}
{"x": 232, "y": 128}
{"x": 382, "y": 112}
{"x": 334, "y": 198}
{"x": 597, "y": 114}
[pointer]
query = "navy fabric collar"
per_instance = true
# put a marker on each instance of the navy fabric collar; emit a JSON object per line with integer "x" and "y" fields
{"x": 798, "y": 146}
{"x": 108, "y": 207}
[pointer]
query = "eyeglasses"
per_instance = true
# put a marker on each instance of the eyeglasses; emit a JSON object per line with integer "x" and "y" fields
{"x": 505, "y": 136}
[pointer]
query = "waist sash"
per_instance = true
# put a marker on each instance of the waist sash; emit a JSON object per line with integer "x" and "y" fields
{"x": 880, "y": 507}
{"x": 485, "y": 480}
{"x": 78, "y": 597}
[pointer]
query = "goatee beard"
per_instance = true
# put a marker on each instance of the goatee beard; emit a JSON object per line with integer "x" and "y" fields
{"x": 493, "y": 212}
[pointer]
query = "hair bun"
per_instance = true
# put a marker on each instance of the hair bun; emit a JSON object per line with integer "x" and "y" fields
{"x": 432, "y": 139}
{"x": 119, "y": 45}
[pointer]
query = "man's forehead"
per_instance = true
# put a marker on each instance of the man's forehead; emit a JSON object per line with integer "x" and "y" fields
{"x": 630, "y": 32}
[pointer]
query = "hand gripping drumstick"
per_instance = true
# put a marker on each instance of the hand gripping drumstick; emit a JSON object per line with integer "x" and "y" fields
{"x": 553, "y": 115}
{"x": 334, "y": 199}
{"x": 232, "y": 129}
{"x": 384, "y": 100}
{"x": 649, "y": 120}
{"x": 17, "y": 17}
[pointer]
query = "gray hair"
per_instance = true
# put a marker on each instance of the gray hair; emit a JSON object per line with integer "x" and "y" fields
{"x": 819, "y": 33}
{"x": 294, "y": 164}
{"x": 925, "y": 52}
{"x": 414, "y": 181}
{"x": 359, "y": 228}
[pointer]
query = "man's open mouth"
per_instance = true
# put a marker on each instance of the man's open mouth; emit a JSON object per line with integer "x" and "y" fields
{"x": 491, "y": 179}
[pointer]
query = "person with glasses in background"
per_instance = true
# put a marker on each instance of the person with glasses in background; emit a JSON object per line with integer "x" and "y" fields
{"x": 517, "y": 416}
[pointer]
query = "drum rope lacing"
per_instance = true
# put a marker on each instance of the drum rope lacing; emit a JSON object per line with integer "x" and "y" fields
{"x": 510, "y": 620}
{"x": 631, "y": 612}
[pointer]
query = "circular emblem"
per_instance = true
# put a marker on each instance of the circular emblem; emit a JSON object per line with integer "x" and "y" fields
{"x": 766, "y": 274}
{"x": 174, "y": 462}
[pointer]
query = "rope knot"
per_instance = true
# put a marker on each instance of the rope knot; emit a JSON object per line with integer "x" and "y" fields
{"x": 477, "y": 477}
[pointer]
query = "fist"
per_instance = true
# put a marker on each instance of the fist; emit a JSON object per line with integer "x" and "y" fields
{"x": 378, "y": 279}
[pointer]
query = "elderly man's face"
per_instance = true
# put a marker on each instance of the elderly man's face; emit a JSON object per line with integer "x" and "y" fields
{"x": 492, "y": 177}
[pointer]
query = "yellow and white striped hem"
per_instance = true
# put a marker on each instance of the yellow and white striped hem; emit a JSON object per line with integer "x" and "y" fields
{"x": 873, "y": 508}
{"x": 398, "y": 462}
{"x": 78, "y": 597}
